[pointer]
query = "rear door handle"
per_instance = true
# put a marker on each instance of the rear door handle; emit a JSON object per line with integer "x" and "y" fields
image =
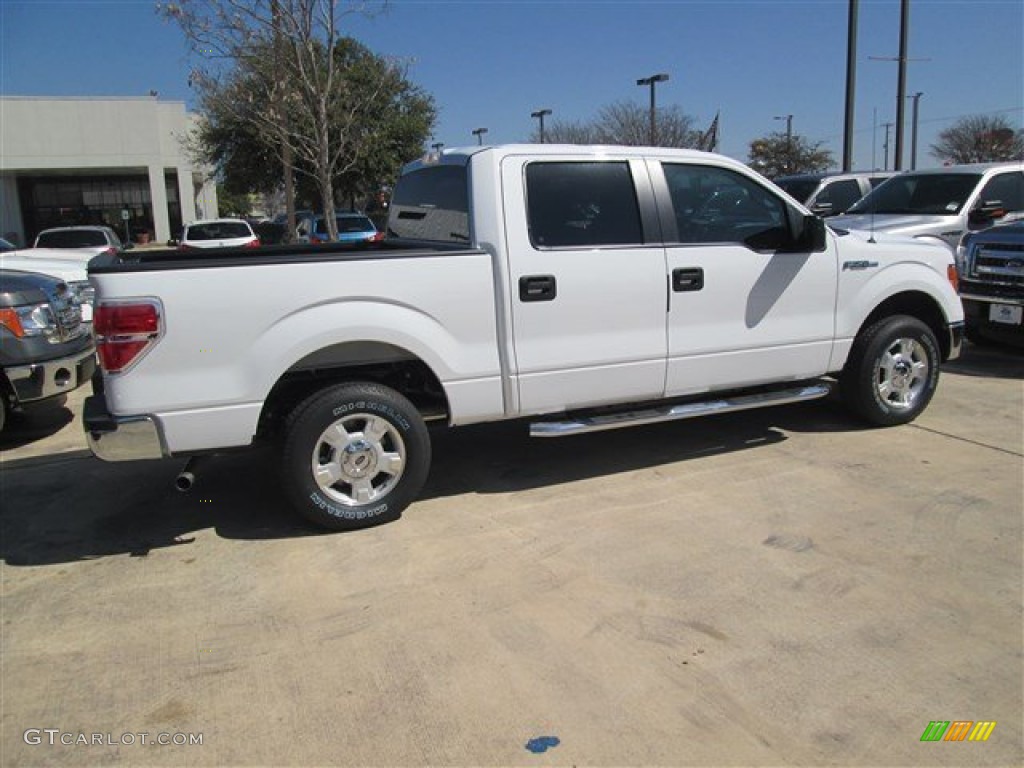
{"x": 537, "y": 288}
{"x": 687, "y": 279}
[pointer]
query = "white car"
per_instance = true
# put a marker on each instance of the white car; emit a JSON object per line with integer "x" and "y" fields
{"x": 84, "y": 242}
{"x": 219, "y": 233}
{"x": 71, "y": 270}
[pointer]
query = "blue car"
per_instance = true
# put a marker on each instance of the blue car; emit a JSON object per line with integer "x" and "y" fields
{"x": 352, "y": 228}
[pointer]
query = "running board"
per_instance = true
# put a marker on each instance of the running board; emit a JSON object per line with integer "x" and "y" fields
{"x": 656, "y": 415}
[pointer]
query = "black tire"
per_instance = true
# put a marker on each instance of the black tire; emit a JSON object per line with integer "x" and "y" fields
{"x": 892, "y": 371}
{"x": 373, "y": 451}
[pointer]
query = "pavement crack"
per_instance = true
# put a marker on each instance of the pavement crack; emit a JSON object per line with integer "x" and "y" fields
{"x": 967, "y": 440}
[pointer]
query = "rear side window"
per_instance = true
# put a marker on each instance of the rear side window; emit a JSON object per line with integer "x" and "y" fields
{"x": 431, "y": 204}
{"x": 582, "y": 204}
{"x": 81, "y": 238}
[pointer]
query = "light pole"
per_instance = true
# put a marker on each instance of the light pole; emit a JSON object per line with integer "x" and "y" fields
{"x": 539, "y": 114}
{"x": 660, "y": 78}
{"x": 479, "y": 133}
{"x": 913, "y": 135}
{"x": 437, "y": 146}
{"x": 789, "y": 140}
{"x": 885, "y": 146}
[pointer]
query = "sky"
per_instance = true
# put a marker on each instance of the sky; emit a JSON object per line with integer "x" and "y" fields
{"x": 491, "y": 63}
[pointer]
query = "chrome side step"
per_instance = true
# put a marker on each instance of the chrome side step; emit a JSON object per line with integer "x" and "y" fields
{"x": 656, "y": 415}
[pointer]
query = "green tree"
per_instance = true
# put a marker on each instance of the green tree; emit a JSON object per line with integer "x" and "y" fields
{"x": 780, "y": 154}
{"x": 392, "y": 130}
{"x": 979, "y": 139}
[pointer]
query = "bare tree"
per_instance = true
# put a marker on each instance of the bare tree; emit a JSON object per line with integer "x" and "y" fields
{"x": 979, "y": 139}
{"x": 295, "y": 94}
{"x": 567, "y": 132}
{"x": 629, "y": 124}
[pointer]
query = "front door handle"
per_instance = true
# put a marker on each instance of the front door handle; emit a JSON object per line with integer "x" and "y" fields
{"x": 537, "y": 288}
{"x": 687, "y": 279}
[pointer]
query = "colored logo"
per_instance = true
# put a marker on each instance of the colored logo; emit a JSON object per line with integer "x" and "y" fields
{"x": 958, "y": 730}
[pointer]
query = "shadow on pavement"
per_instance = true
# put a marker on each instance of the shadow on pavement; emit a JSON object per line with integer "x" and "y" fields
{"x": 36, "y": 423}
{"x": 74, "y": 507}
{"x": 990, "y": 362}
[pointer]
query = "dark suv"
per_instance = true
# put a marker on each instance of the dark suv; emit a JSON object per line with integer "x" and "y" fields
{"x": 45, "y": 348}
{"x": 991, "y": 265}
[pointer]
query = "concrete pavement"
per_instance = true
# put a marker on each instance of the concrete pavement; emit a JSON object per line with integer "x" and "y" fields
{"x": 779, "y": 587}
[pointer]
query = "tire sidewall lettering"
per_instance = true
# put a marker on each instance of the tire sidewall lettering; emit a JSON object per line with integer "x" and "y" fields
{"x": 346, "y": 513}
{"x": 371, "y": 407}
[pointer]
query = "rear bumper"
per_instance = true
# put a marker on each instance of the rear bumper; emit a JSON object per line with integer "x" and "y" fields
{"x": 121, "y": 438}
{"x": 40, "y": 381}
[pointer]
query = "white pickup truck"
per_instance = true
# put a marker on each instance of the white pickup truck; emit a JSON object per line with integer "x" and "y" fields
{"x": 582, "y": 288}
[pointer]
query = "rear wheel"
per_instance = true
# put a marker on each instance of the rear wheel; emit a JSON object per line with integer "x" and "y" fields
{"x": 892, "y": 372}
{"x": 355, "y": 455}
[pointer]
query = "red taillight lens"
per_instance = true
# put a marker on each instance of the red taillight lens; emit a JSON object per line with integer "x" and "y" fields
{"x": 124, "y": 331}
{"x": 254, "y": 244}
{"x": 121, "y": 319}
{"x": 377, "y": 237}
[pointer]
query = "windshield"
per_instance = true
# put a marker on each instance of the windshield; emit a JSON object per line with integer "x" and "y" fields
{"x": 801, "y": 189}
{"x": 942, "y": 194}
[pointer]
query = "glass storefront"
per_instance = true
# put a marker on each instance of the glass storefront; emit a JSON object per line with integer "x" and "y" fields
{"x": 58, "y": 201}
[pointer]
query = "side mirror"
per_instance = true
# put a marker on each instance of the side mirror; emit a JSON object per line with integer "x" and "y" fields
{"x": 988, "y": 211}
{"x": 822, "y": 209}
{"x": 808, "y": 234}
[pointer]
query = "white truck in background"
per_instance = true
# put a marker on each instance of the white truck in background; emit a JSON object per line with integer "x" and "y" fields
{"x": 582, "y": 288}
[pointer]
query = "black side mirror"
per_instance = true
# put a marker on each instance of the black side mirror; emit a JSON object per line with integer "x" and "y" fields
{"x": 987, "y": 212}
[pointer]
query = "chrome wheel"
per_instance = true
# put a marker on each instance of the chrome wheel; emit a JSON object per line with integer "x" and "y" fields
{"x": 903, "y": 373}
{"x": 358, "y": 459}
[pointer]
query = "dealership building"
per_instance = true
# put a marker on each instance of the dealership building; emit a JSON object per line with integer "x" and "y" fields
{"x": 121, "y": 162}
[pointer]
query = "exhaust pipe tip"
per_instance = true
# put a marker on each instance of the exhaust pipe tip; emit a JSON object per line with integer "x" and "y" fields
{"x": 184, "y": 482}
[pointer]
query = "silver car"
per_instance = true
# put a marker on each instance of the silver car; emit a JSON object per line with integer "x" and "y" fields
{"x": 940, "y": 204}
{"x": 829, "y": 194}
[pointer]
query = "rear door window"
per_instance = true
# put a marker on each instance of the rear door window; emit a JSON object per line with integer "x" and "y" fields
{"x": 574, "y": 204}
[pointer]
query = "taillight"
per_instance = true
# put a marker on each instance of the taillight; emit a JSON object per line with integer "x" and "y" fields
{"x": 125, "y": 330}
{"x": 377, "y": 237}
{"x": 253, "y": 244}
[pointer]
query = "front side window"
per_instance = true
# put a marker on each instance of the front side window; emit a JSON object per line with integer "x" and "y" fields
{"x": 716, "y": 205}
{"x": 840, "y": 195}
{"x": 582, "y": 204}
{"x": 1006, "y": 189}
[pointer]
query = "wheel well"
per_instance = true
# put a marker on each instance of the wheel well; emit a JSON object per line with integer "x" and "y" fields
{"x": 355, "y": 361}
{"x": 916, "y": 304}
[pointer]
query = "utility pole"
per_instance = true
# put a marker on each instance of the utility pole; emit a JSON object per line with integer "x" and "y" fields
{"x": 851, "y": 86}
{"x": 539, "y": 114}
{"x": 901, "y": 88}
{"x": 913, "y": 136}
{"x": 885, "y": 146}
{"x": 660, "y": 78}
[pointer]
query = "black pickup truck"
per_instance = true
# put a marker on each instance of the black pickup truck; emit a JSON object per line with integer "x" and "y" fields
{"x": 991, "y": 266}
{"x": 45, "y": 348}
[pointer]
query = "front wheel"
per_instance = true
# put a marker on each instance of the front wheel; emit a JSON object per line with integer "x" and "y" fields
{"x": 892, "y": 372}
{"x": 355, "y": 455}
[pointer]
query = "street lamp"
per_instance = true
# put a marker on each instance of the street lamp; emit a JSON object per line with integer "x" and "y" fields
{"x": 539, "y": 114}
{"x": 789, "y": 139}
{"x": 479, "y": 133}
{"x": 913, "y": 136}
{"x": 437, "y": 146}
{"x": 661, "y": 78}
